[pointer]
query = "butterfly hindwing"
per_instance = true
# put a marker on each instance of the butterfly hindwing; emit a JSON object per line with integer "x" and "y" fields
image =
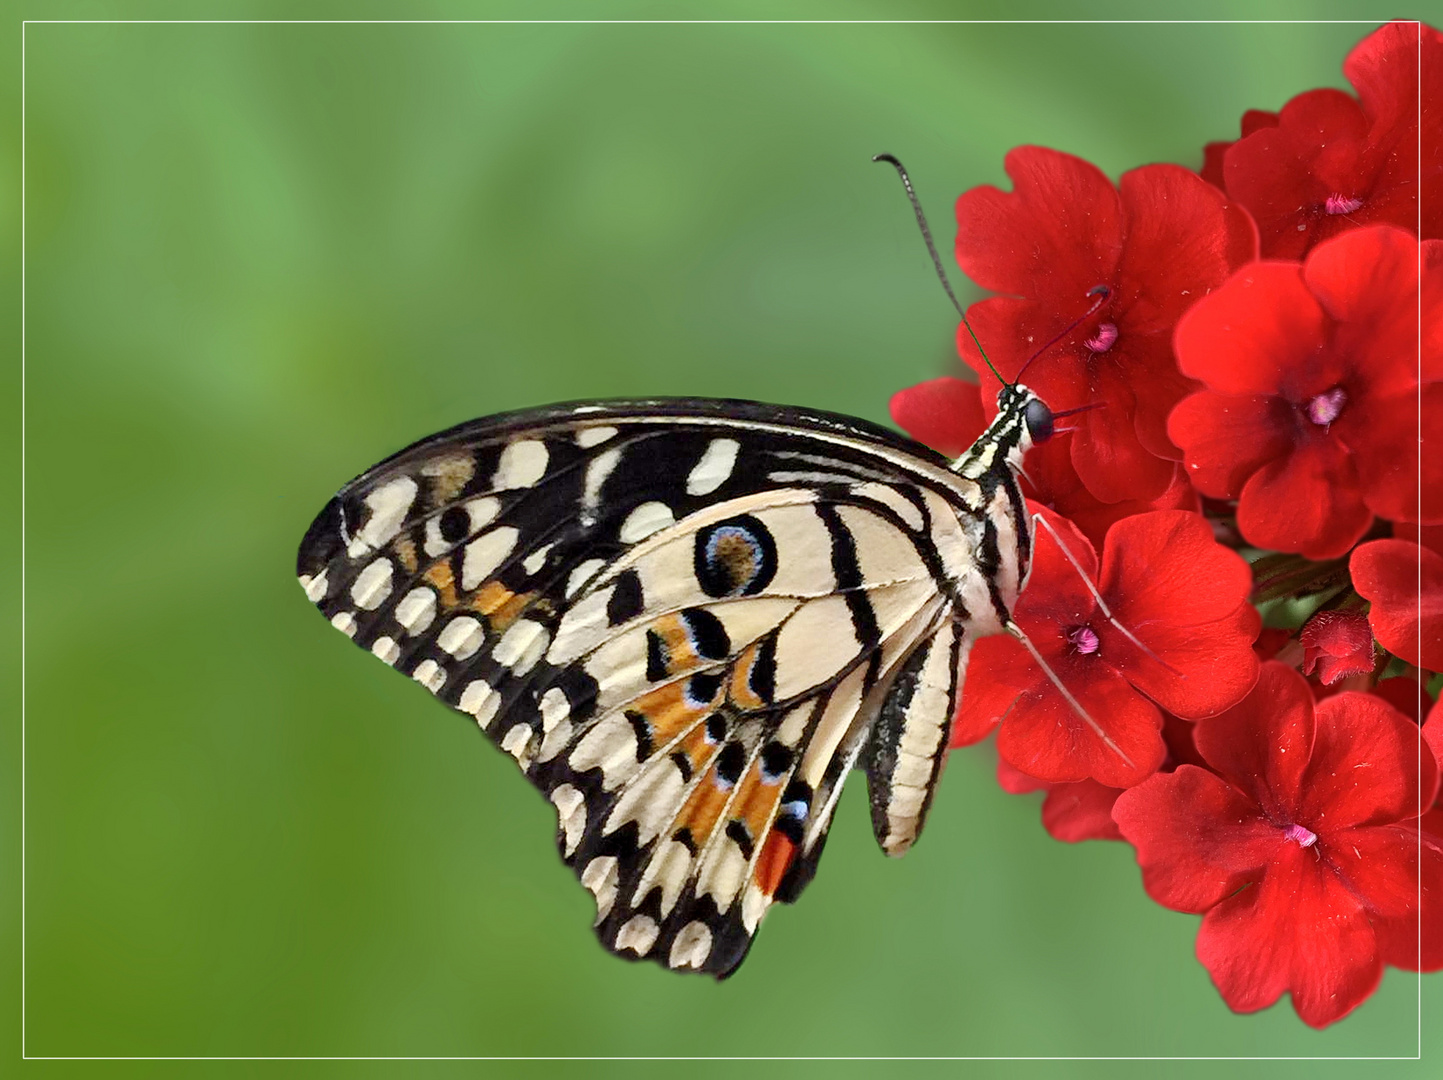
{"x": 686, "y": 621}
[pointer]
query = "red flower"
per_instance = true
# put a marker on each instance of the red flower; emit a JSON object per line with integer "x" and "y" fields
{"x": 1407, "y": 620}
{"x": 947, "y": 415}
{"x": 1328, "y": 163}
{"x": 1311, "y": 409}
{"x": 1302, "y": 839}
{"x": 1182, "y": 595}
{"x": 1337, "y": 644}
{"x": 1214, "y": 152}
{"x": 1160, "y": 241}
{"x": 1083, "y": 810}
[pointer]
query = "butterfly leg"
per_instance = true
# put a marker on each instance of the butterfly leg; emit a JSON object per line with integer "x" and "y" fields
{"x": 1097, "y": 596}
{"x": 1017, "y": 632}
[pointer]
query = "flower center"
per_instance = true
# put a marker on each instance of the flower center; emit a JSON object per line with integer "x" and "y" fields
{"x": 1324, "y": 408}
{"x": 1300, "y": 836}
{"x": 1084, "y": 639}
{"x": 1341, "y": 204}
{"x": 1104, "y": 339}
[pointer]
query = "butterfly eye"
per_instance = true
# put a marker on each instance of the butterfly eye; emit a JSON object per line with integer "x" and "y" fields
{"x": 1039, "y": 420}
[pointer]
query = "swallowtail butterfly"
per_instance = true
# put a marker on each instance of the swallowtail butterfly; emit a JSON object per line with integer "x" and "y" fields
{"x": 688, "y": 620}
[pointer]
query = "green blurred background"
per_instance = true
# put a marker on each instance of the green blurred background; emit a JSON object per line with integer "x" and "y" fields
{"x": 261, "y": 257}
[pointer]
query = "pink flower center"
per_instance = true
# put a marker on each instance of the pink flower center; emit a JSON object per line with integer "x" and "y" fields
{"x": 1300, "y": 836}
{"x": 1341, "y": 204}
{"x": 1104, "y": 339}
{"x": 1084, "y": 639}
{"x": 1324, "y": 408}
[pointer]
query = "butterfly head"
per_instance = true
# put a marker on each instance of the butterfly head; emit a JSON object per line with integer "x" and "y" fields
{"x": 1023, "y": 421}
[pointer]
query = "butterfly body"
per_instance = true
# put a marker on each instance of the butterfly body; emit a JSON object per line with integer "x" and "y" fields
{"x": 687, "y": 620}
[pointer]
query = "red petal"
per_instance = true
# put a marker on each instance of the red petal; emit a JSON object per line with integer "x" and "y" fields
{"x": 1431, "y": 293}
{"x": 1248, "y": 335}
{"x": 1108, "y": 455}
{"x": 1165, "y": 566}
{"x": 1056, "y": 235}
{"x": 1044, "y": 737}
{"x": 1378, "y": 865}
{"x": 1275, "y": 171}
{"x": 1183, "y": 239}
{"x": 1383, "y": 68}
{"x": 1225, "y": 438}
{"x": 1407, "y": 623}
{"x": 1262, "y": 745}
{"x": 1198, "y": 840}
{"x": 1082, "y": 811}
{"x": 1403, "y": 693}
{"x": 1368, "y": 766}
{"x": 1309, "y": 502}
{"x": 1196, "y": 671}
{"x": 1369, "y": 277}
{"x": 1383, "y": 433}
{"x": 1016, "y": 782}
{"x": 1337, "y": 644}
{"x": 1399, "y": 940}
{"x": 1298, "y": 930}
{"x": 1212, "y": 167}
{"x": 944, "y": 413}
{"x": 998, "y": 670}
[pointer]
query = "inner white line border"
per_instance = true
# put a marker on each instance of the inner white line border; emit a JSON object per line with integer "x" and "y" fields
{"x": 24, "y": 23}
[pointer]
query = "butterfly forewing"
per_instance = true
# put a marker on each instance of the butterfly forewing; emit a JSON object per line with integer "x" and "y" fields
{"x": 686, "y": 621}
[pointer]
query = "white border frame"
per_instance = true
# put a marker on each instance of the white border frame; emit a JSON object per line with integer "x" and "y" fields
{"x": 639, "y": 22}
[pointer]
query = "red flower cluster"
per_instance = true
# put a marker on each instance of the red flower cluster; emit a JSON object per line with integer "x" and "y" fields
{"x": 1300, "y": 842}
{"x": 1252, "y": 381}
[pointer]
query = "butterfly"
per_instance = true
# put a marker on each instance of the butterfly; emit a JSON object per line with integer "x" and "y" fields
{"x": 687, "y": 621}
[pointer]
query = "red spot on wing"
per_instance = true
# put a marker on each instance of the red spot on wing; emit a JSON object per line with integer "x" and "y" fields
{"x": 776, "y": 856}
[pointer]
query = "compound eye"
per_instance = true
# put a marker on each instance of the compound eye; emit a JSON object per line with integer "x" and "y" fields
{"x": 1038, "y": 418}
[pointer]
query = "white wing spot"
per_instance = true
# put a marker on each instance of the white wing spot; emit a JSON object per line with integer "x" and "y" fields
{"x": 417, "y": 610}
{"x": 646, "y": 519}
{"x": 388, "y": 506}
{"x": 555, "y": 740}
{"x": 715, "y": 466}
{"x": 386, "y": 650}
{"x": 461, "y": 637}
{"x": 485, "y": 554}
{"x": 521, "y": 465}
{"x": 315, "y": 587}
{"x": 518, "y": 742}
{"x": 691, "y": 946}
{"x": 430, "y": 675}
{"x": 521, "y": 646}
{"x": 372, "y": 585}
{"x": 345, "y": 622}
{"x": 554, "y": 708}
{"x": 600, "y": 877}
{"x": 570, "y": 814}
{"x": 480, "y": 701}
{"x": 596, "y": 473}
{"x": 533, "y": 563}
{"x": 594, "y": 436}
{"x": 638, "y": 935}
{"x": 583, "y": 573}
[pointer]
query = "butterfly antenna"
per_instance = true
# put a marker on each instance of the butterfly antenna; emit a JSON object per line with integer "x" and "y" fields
{"x": 936, "y": 260}
{"x": 1102, "y": 292}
